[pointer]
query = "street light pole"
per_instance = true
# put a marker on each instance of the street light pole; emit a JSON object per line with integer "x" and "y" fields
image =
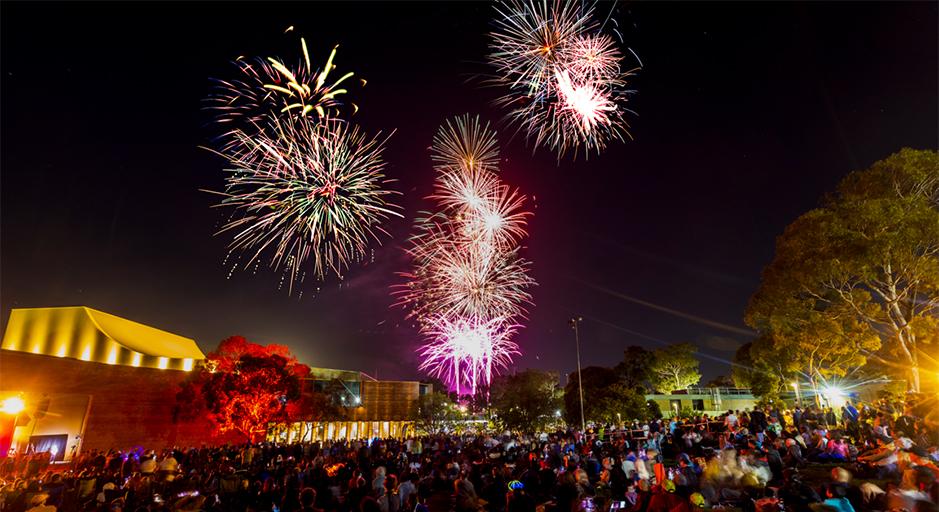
{"x": 580, "y": 383}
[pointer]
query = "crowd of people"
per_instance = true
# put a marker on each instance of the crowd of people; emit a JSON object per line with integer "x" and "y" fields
{"x": 867, "y": 458}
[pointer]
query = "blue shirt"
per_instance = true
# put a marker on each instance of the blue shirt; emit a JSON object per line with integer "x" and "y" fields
{"x": 839, "y": 504}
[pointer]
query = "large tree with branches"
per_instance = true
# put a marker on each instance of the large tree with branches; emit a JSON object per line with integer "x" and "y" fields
{"x": 859, "y": 277}
{"x": 244, "y": 386}
{"x": 674, "y": 368}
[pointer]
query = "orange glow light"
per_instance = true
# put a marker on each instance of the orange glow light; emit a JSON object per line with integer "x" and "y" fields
{"x": 13, "y": 405}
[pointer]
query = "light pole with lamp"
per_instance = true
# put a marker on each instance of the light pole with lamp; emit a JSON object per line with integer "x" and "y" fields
{"x": 580, "y": 384}
{"x": 11, "y": 407}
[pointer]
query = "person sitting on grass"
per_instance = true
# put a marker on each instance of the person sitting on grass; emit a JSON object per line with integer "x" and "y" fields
{"x": 836, "y": 498}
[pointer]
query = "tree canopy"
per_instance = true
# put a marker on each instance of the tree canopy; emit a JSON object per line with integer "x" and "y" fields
{"x": 721, "y": 381}
{"x": 436, "y": 412}
{"x": 755, "y": 368}
{"x": 634, "y": 368}
{"x": 526, "y": 401}
{"x": 858, "y": 277}
{"x": 606, "y": 398}
{"x": 674, "y": 368}
{"x": 243, "y": 386}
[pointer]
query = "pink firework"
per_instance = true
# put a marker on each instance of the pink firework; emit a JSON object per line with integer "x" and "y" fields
{"x": 485, "y": 210}
{"x": 565, "y": 86}
{"x": 466, "y": 352}
{"x": 468, "y": 285}
{"x": 588, "y": 106}
{"x": 529, "y": 38}
{"x": 593, "y": 58}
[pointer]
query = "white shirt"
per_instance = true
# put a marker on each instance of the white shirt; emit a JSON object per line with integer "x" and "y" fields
{"x": 731, "y": 420}
{"x": 405, "y": 490}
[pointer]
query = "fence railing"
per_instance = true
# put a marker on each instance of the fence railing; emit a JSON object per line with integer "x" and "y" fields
{"x": 710, "y": 391}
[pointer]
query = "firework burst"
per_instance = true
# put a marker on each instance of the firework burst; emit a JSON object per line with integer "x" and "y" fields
{"x": 465, "y": 352}
{"x": 468, "y": 284}
{"x": 304, "y": 187}
{"x": 593, "y": 58}
{"x": 461, "y": 278}
{"x": 313, "y": 192}
{"x": 583, "y": 107}
{"x": 464, "y": 143}
{"x": 530, "y": 37}
{"x": 566, "y": 88}
{"x": 484, "y": 209}
{"x": 268, "y": 89}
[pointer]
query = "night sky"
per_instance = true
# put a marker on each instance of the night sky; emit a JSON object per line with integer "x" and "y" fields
{"x": 748, "y": 113}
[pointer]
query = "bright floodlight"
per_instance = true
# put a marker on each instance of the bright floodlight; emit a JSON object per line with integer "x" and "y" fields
{"x": 358, "y": 399}
{"x": 13, "y": 405}
{"x": 833, "y": 392}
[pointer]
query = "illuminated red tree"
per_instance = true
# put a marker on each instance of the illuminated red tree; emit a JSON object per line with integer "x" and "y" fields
{"x": 244, "y": 386}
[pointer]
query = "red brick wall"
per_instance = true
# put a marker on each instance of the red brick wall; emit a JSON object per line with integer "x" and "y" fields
{"x": 129, "y": 406}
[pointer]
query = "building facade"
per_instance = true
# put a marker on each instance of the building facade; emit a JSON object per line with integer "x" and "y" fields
{"x": 367, "y": 408}
{"x": 84, "y": 379}
{"x": 710, "y": 401}
{"x": 90, "y": 380}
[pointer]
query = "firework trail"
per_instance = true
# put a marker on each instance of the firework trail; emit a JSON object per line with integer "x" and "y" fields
{"x": 566, "y": 87}
{"x": 468, "y": 285}
{"x": 314, "y": 192}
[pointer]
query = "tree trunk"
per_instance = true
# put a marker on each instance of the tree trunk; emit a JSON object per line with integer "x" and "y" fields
{"x": 901, "y": 326}
{"x": 817, "y": 397}
{"x": 914, "y": 378}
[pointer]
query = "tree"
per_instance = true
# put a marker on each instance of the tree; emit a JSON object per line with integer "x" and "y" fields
{"x": 435, "y": 412}
{"x": 606, "y": 398}
{"x": 721, "y": 381}
{"x": 755, "y": 368}
{"x": 810, "y": 341}
{"x": 243, "y": 386}
{"x": 674, "y": 368}
{"x": 634, "y": 368}
{"x": 741, "y": 370}
{"x": 620, "y": 402}
{"x": 526, "y": 401}
{"x": 861, "y": 271}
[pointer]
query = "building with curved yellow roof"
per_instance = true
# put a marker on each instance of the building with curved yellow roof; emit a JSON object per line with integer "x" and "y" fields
{"x": 83, "y": 333}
